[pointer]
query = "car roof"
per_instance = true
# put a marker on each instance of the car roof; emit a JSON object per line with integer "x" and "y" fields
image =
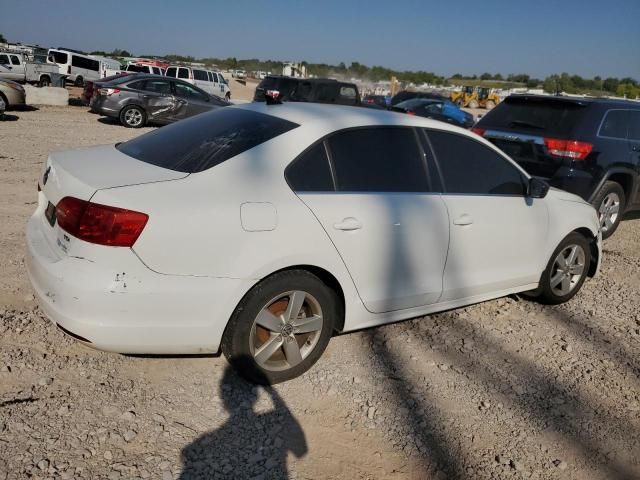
{"x": 576, "y": 99}
{"x": 328, "y": 118}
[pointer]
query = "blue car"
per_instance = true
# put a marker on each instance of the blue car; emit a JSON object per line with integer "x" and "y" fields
{"x": 443, "y": 110}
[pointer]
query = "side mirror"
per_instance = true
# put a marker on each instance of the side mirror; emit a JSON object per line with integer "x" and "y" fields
{"x": 537, "y": 188}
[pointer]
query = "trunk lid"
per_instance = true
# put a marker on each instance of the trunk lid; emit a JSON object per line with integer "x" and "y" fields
{"x": 520, "y": 125}
{"x": 80, "y": 173}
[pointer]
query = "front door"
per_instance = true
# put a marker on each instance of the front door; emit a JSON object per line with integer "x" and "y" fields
{"x": 498, "y": 234}
{"x": 634, "y": 150}
{"x": 373, "y": 198}
{"x": 8, "y": 70}
{"x": 195, "y": 101}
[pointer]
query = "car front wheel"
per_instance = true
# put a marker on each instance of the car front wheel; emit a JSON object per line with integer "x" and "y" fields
{"x": 281, "y": 327}
{"x": 133, "y": 117}
{"x": 566, "y": 271}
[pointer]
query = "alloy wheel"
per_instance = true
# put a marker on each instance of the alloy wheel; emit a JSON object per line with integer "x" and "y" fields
{"x": 286, "y": 330}
{"x": 568, "y": 268}
{"x": 133, "y": 117}
{"x": 609, "y": 211}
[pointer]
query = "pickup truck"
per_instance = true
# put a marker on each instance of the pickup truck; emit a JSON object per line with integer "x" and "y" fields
{"x": 19, "y": 68}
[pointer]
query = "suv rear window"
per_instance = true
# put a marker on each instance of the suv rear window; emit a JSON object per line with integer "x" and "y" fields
{"x": 204, "y": 141}
{"x": 547, "y": 116}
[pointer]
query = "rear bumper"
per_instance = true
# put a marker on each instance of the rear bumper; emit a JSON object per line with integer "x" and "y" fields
{"x": 104, "y": 106}
{"x": 128, "y": 308}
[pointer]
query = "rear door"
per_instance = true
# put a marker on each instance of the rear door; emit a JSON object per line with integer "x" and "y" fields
{"x": 158, "y": 100}
{"x": 370, "y": 190}
{"x": 520, "y": 125}
{"x": 498, "y": 235}
{"x": 634, "y": 149}
{"x": 201, "y": 80}
{"x": 171, "y": 72}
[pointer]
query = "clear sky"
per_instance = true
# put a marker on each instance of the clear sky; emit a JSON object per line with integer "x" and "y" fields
{"x": 540, "y": 37}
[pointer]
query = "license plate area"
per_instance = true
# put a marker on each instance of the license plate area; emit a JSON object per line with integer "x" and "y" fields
{"x": 50, "y": 214}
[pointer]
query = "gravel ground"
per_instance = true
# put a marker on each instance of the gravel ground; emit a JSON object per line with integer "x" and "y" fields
{"x": 504, "y": 389}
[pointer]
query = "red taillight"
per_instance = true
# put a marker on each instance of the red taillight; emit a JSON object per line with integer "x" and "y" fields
{"x": 571, "y": 149}
{"x": 409, "y": 112}
{"x": 107, "y": 91}
{"x": 478, "y": 131}
{"x": 101, "y": 224}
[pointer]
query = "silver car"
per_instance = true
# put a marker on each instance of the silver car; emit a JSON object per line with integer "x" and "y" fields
{"x": 138, "y": 100}
{"x": 11, "y": 94}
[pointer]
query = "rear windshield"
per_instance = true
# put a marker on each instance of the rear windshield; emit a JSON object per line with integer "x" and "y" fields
{"x": 535, "y": 115}
{"x": 204, "y": 141}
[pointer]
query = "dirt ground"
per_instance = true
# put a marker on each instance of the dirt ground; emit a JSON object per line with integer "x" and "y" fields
{"x": 504, "y": 389}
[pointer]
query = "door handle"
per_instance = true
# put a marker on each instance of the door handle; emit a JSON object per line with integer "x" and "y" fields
{"x": 348, "y": 224}
{"x": 464, "y": 219}
{"x": 146, "y": 97}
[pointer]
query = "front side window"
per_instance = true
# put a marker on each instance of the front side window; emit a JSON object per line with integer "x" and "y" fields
{"x": 383, "y": 159}
{"x": 469, "y": 167}
{"x": 206, "y": 140}
{"x": 15, "y": 60}
{"x": 59, "y": 57}
{"x": 615, "y": 124}
{"x": 311, "y": 171}
{"x": 183, "y": 73}
{"x": 187, "y": 91}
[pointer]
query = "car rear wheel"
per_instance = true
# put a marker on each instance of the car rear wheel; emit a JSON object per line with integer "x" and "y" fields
{"x": 281, "y": 327}
{"x": 566, "y": 271}
{"x": 227, "y": 97}
{"x": 3, "y": 103}
{"x": 133, "y": 117}
{"x": 609, "y": 203}
{"x": 79, "y": 82}
{"x": 45, "y": 81}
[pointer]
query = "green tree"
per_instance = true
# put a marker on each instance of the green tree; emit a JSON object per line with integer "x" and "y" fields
{"x": 2, "y": 39}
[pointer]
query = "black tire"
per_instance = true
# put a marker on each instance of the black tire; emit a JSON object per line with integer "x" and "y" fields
{"x": 608, "y": 191}
{"x": 237, "y": 338}
{"x": 227, "y": 97}
{"x": 546, "y": 293}
{"x": 133, "y": 116}
{"x": 6, "y": 102}
{"x": 79, "y": 82}
{"x": 45, "y": 81}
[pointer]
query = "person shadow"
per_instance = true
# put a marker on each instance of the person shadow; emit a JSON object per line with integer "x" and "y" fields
{"x": 249, "y": 445}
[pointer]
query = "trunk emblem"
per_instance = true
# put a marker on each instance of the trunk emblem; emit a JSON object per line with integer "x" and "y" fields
{"x": 45, "y": 177}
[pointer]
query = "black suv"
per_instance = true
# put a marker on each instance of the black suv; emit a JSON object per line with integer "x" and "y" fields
{"x": 316, "y": 90}
{"x": 586, "y": 146}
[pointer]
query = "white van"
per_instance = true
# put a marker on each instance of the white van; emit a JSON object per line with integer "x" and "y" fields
{"x": 144, "y": 68}
{"x": 209, "y": 81}
{"x": 80, "y": 67}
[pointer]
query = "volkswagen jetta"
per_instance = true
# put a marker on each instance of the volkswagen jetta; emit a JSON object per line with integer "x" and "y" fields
{"x": 260, "y": 230}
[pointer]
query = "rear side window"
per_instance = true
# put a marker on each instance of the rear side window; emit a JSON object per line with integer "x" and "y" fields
{"x": 378, "y": 160}
{"x": 139, "y": 85}
{"x": 634, "y": 125}
{"x": 538, "y": 116}
{"x": 171, "y": 72}
{"x": 206, "y": 140}
{"x": 183, "y": 73}
{"x": 4, "y": 60}
{"x": 614, "y": 124}
{"x": 311, "y": 171}
{"x": 468, "y": 167}
{"x": 156, "y": 70}
{"x": 348, "y": 92}
{"x": 158, "y": 86}
{"x": 136, "y": 68}
{"x": 199, "y": 75}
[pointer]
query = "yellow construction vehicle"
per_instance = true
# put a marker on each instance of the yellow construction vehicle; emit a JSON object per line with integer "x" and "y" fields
{"x": 475, "y": 97}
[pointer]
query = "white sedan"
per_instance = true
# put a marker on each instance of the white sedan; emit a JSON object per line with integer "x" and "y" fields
{"x": 260, "y": 230}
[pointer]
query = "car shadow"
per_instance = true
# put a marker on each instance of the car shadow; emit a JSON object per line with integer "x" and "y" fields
{"x": 108, "y": 121}
{"x": 8, "y": 118}
{"x": 250, "y": 444}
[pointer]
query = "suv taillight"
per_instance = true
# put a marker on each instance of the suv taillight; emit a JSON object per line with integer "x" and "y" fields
{"x": 100, "y": 224}
{"x": 570, "y": 149}
{"x": 478, "y": 130}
